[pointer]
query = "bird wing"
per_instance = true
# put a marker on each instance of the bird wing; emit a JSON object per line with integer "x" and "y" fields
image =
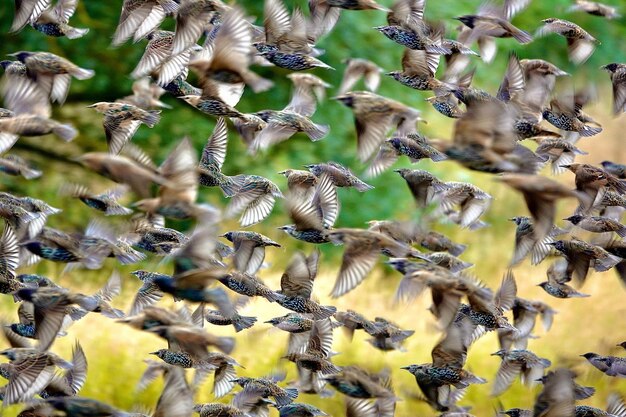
{"x": 214, "y": 152}
{"x": 358, "y": 260}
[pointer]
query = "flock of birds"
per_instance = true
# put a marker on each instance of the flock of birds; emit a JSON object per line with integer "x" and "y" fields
{"x": 488, "y": 134}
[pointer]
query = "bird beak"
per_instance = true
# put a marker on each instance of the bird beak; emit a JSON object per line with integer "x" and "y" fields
{"x": 405, "y": 367}
{"x": 91, "y": 106}
{"x": 282, "y": 172}
{"x": 565, "y": 166}
{"x": 378, "y": 28}
{"x": 153, "y": 353}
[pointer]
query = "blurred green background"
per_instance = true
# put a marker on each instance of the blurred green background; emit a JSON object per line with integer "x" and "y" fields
{"x": 115, "y": 352}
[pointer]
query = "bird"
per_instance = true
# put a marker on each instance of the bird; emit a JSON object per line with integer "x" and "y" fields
{"x": 357, "y": 68}
{"x": 529, "y": 366}
{"x": 55, "y": 21}
{"x": 249, "y": 249}
{"x": 595, "y": 9}
{"x": 375, "y": 116}
{"x": 617, "y": 72}
{"x": 580, "y": 44}
{"x": 105, "y": 202}
{"x": 609, "y": 365}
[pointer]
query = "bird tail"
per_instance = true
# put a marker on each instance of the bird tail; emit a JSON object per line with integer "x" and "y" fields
{"x": 457, "y": 249}
{"x": 257, "y": 83}
{"x": 83, "y": 74}
{"x": 324, "y": 312}
{"x": 151, "y": 117}
{"x": 621, "y": 231}
{"x": 522, "y": 36}
{"x": 129, "y": 255}
{"x": 590, "y": 131}
{"x": 225, "y": 344}
{"x": 316, "y": 132}
{"x": 362, "y": 186}
{"x": 66, "y": 132}
{"x": 243, "y": 322}
{"x": 75, "y": 33}
{"x": 606, "y": 263}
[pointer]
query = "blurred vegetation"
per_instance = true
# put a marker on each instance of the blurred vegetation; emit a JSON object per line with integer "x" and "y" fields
{"x": 115, "y": 352}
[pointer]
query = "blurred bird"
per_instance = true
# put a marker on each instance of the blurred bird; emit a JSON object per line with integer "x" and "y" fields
{"x": 595, "y": 9}
{"x": 105, "y": 202}
{"x": 52, "y": 73}
{"x": 375, "y": 116}
{"x": 580, "y": 44}
{"x": 529, "y": 366}
{"x": 249, "y": 250}
{"x": 617, "y": 72}
{"x": 340, "y": 175}
{"x": 121, "y": 121}
{"x": 54, "y": 21}
{"x": 357, "y": 68}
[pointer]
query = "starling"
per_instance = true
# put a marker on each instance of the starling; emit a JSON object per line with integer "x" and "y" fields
{"x": 615, "y": 407}
{"x": 177, "y": 197}
{"x": 145, "y": 95}
{"x": 494, "y": 23}
{"x": 293, "y": 61}
{"x": 472, "y": 201}
{"x": 299, "y": 410}
{"x": 556, "y": 284}
{"x": 316, "y": 355}
{"x": 564, "y": 117}
{"x": 105, "y": 202}
{"x": 298, "y": 326}
{"x": 580, "y": 44}
{"x": 609, "y": 365}
{"x": 557, "y": 397}
{"x": 83, "y": 407}
{"x": 526, "y": 242}
{"x": 375, "y": 116}
{"x": 159, "y": 60}
{"x": 282, "y": 124}
{"x": 597, "y": 224}
{"x": 50, "y": 310}
{"x": 595, "y": 9}
{"x": 10, "y": 260}
{"x": 155, "y": 238}
{"x": 193, "y": 340}
{"x": 254, "y": 198}
{"x": 559, "y": 151}
{"x": 618, "y": 170}
{"x": 617, "y": 73}
{"x": 249, "y": 250}
{"x": 423, "y": 186}
{"x": 72, "y": 380}
{"x": 16, "y": 165}
{"x": 518, "y": 362}
{"x": 296, "y": 287}
{"x": 415, "y": 35}
{"x": 136, "y": 170}
{"x": 28, "y": 373}
{"x": 435, "y": 241}
{"x": 212, "y": 160}
{"x": 356, "y": 382}
{"x": 52, "y": 73}
{"x": 592, "y": 181}
{"x": 54, "y": 22}
{"x": 217, "y": 410}
{"x": 446, "y": 104}
{"x": 362, "y": 249}
{"x": 300, "y": 182}
{"x": 248, "y": 285}
{"x": 540, "y": 194}
{"x": 340, "y": 175}
{"x": 265, "y": 387}
{"x": 313, "y": 216}
{"x": 386, "y": 336}
{"x": 357, "y": 68}
{"x": 413, "y": 145}
{"x": 148, "y": 294}
{"x": 31, "y": 115}
{"x": 581, "y": 256}
{"x": 121, "y": 121}
{"x": 191, "y": 19}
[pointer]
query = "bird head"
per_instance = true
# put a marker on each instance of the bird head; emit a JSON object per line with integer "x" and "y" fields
{"x": 549, "y": 20}
{"x": 22, "y": 55}
{"x": 273, "y": 321}
{"x": 386, "y": 30}
{"x": 543, "y": 284}
{"x": 575, "y": 219}
{"x": 99, "y": 106}
{"x": 402, "y": 171}
{"x": 228, "y": 235}
{"x": 159, "y": 353}
{"x": 590, "y": 355}
{"x": 5, "y": 63}
{"x": 346, "y": 99}
{"x": 192, "y": 99}
{"x": 512, "y": 412}
{"x": 286, "y": 172}
{"x": 518, "y": 219}
{"x": 26, "y": 294}
{"x": 467, "y": 20}
{"x": 287, "y": 228}
{"x": 412, "y": 368}
{"x": 501, "y": 353}
{"x": 558, "y": 245}
{"x": 612, "y": 67}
